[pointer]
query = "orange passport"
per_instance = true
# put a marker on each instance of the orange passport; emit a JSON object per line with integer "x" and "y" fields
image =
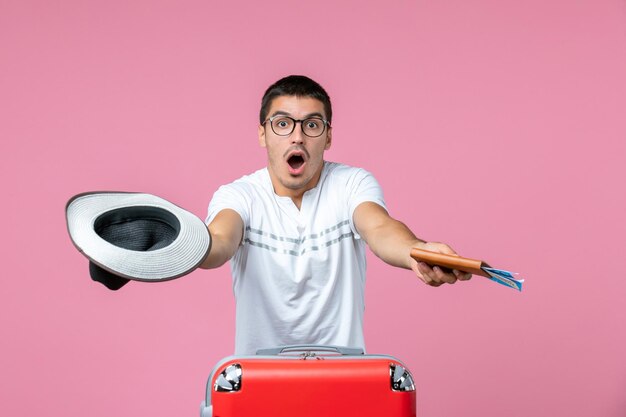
{"x": 473, "y": 266}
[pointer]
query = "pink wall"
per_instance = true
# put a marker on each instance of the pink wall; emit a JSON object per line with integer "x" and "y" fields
{"x": 496, "y": 126}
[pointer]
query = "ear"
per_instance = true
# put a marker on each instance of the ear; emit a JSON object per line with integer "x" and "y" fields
{"x": 261, "y": 133}
{"x": 329, "y": 138}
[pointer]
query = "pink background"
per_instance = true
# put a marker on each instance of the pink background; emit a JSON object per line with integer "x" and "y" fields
{"x": 495, "y": 126}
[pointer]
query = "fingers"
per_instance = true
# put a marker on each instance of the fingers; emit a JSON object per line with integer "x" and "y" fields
{"x": 462, "y": 276}
{"x": 425, "y": 273}
{"x": 447, "y": 277}
{"x": 434, "y": 276}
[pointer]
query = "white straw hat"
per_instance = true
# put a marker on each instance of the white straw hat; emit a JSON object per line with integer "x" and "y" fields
{"x": 135, "y": 236}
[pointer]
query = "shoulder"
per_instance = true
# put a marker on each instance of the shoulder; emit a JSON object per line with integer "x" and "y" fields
{"x": 239, "y": 195}
{"x": 243, "y": 190}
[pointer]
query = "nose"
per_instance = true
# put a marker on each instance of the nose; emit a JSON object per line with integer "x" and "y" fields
{"x": 297, "y": 136}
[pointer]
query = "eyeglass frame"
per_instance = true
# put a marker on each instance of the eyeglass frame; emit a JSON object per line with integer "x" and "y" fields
{"x": 295, "y": 122}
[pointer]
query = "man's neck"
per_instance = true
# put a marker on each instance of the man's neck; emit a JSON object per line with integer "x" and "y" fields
{"x": 296, "y": 194}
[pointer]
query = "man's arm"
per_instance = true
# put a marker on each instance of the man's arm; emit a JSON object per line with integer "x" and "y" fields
{"x": 226, "y": 231}
{"x": 392, "y": 242}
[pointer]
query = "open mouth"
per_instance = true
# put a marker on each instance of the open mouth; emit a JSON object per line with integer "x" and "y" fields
{"x": 295, "y": 161}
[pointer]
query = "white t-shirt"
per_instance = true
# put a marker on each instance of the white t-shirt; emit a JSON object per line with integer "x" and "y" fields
{"x": 299, "y": 275}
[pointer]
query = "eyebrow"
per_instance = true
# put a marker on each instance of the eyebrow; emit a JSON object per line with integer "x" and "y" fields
{"x": 308, "y": 116}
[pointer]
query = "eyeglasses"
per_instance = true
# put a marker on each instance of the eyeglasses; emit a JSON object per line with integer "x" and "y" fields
{"x": 285, "y": 125}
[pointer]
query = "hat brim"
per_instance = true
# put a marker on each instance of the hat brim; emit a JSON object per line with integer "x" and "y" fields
{"x": 184, "y": 254}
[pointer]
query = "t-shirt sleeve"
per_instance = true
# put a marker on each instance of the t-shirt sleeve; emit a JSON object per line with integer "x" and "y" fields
{"x": 363, "y": 187}
{"x": 231, "y": 196}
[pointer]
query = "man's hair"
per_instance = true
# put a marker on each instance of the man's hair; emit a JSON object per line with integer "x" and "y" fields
{"x": 295, "y": 85}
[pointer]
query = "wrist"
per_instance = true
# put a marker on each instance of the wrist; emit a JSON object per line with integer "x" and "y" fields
{"x": 419, "y": 244}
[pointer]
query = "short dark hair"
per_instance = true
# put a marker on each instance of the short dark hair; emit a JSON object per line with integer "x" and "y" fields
{"x": 295, "y": 85}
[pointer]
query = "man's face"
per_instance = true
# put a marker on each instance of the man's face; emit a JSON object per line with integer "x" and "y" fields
{"x": 295, "y": 161}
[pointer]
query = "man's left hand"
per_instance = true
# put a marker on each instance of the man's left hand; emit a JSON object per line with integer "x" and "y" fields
{"x": 436, "y": 276}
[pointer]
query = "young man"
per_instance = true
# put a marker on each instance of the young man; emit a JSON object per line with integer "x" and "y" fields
{"x": 295, "y": 231}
